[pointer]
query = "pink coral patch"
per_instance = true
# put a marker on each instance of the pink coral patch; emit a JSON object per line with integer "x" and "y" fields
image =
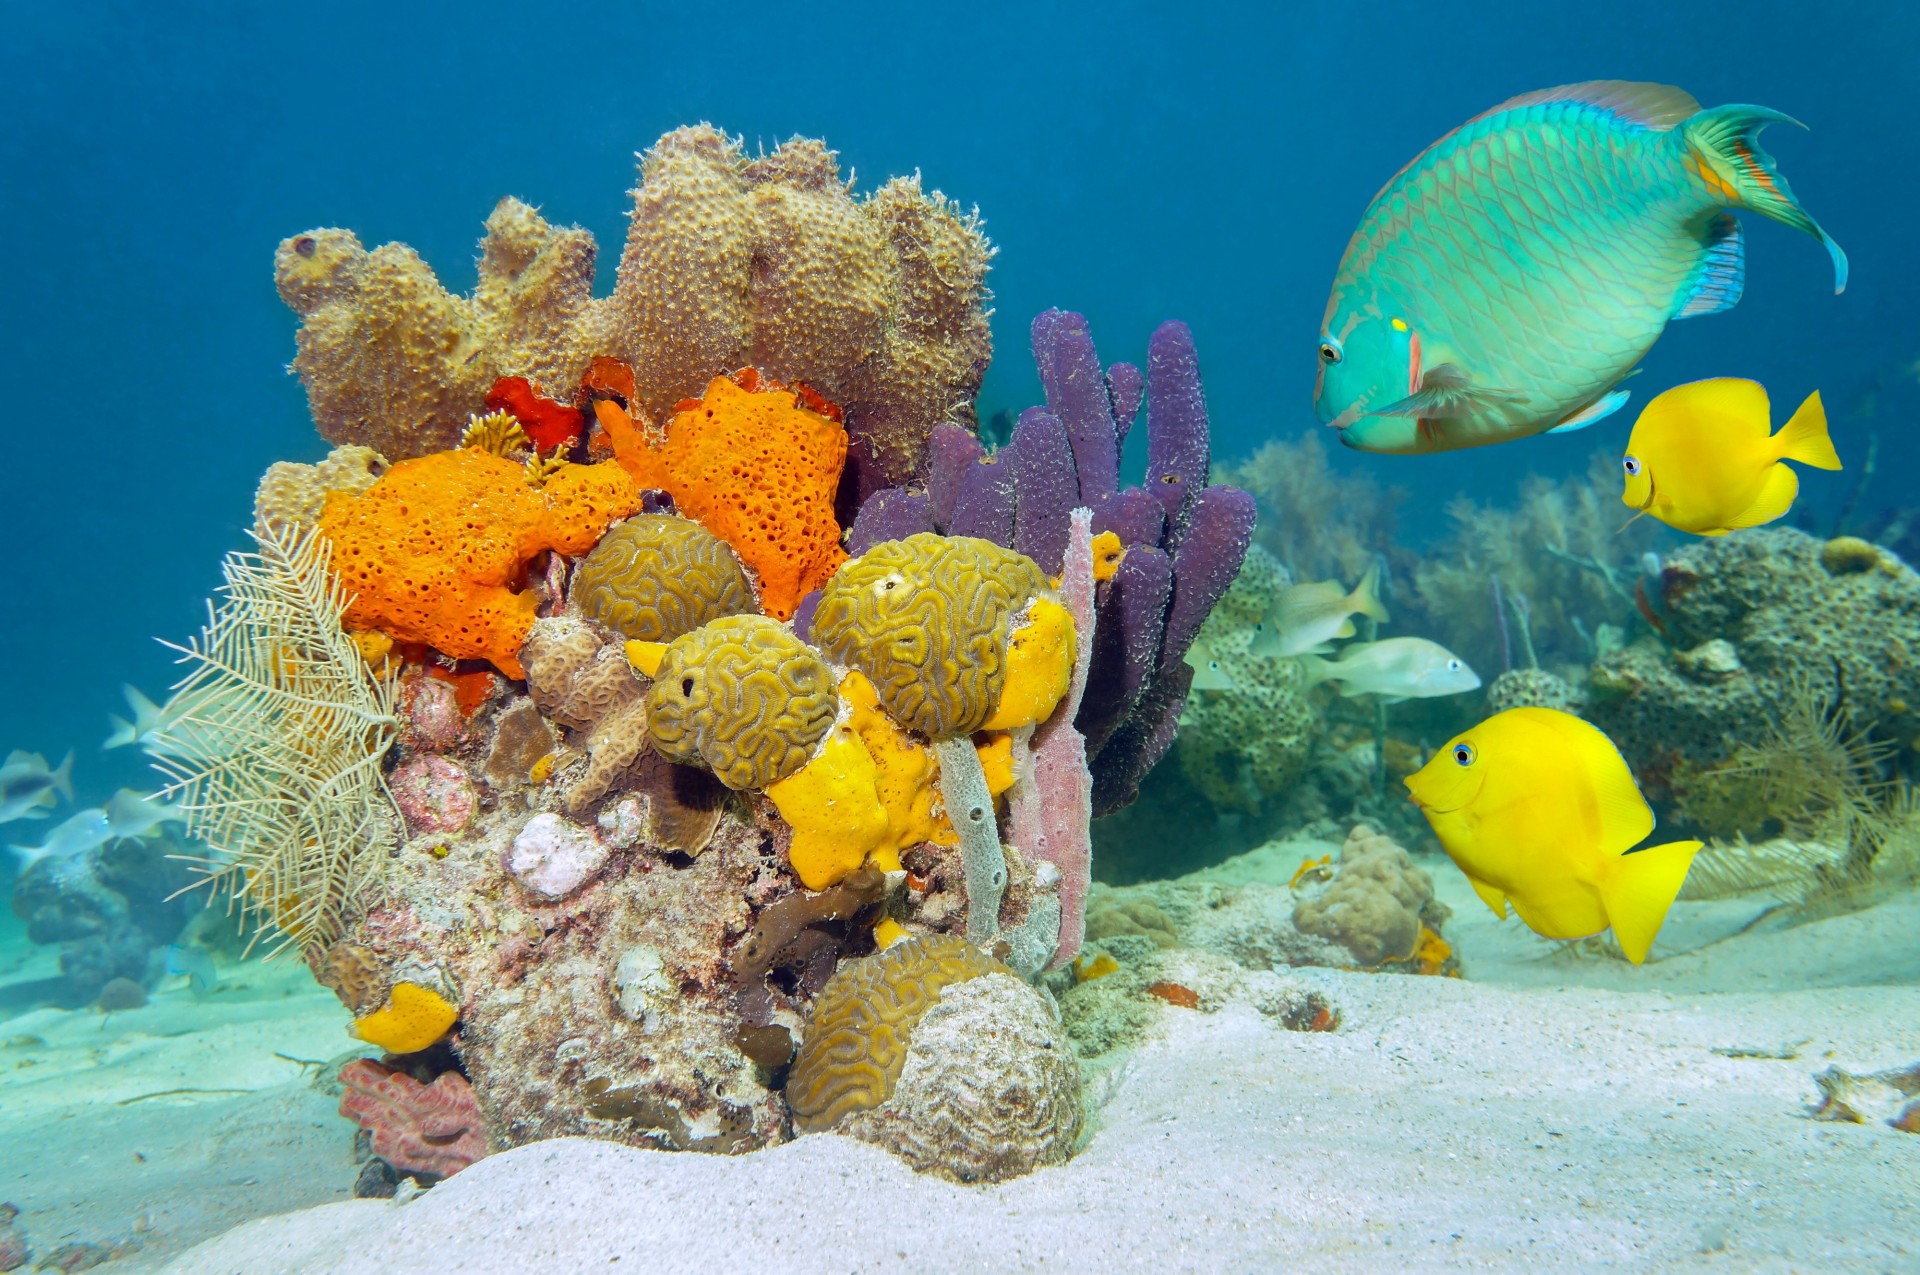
{"x": 434, "y": 794}
{"x": 416, "y": 1128}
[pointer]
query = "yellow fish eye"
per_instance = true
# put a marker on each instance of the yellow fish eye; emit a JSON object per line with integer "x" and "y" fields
{"x": 1329, "y": 352}
{"x": 1632, "y": 465}
{"x": 1463, "y": 754}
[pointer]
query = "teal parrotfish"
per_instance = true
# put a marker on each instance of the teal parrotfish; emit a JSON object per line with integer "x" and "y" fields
{"x": 1507, "y": 280}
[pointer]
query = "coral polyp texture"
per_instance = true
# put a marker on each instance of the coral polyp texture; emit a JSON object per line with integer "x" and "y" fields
{"x": 928, "y": 619}
{"x": 292, "y": 496}
{"x": 743, "y": 697}
{"x": 730, "y": 262}
{"x": 655, "y": 577}
{"x": 433, "y": 550}
{"x": 757, "y": 467}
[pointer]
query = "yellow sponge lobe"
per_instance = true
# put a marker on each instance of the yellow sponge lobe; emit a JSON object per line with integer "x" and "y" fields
{"x": 413, "y": 1018}
{"x": 833, "y": 805}
{"x": 1039, "y": 667}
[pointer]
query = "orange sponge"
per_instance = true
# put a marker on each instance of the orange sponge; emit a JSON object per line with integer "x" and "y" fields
{"x": 436, "y": 550}
{"x": 756, "y": 465}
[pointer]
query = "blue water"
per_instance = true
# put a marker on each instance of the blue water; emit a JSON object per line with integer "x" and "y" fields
{"x": 1134, "y": 161}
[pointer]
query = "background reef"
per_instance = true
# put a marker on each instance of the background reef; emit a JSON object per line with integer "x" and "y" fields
{"x": 1109, "y": 149}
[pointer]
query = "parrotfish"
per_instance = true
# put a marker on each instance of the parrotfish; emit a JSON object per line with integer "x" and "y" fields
{"x": 1507, "y": 280}
{"x": 28, "y": 789}
{"x": 1539, "y": 810}
{"x": 1306, "y": 617}
{"x": 1395, "y": 669}
{"x": 1703, "y": 458}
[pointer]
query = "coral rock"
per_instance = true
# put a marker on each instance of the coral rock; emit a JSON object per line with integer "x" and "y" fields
{"x": 418, "y": 1128}
{"x": 755, "y": 467}
{"x": 553, "y": 856}
{"x": 574, "y": 677}
{"x": 521, "y": 737}
{"x": 863, "y": 1023}
{"x": 927, "y": 619}
{"x": 292, "y": 496}
{"x": 729, "y": 262}
{"x": 655, "y": 577}
{"x": 1372, "y": 906}
{"x": 1531, "y": 688}
{"x": 431, "y": 551}
{"x": 990, "y": 1088}
{"x": 744, "y": 697}
{"x": 434, "y": 794}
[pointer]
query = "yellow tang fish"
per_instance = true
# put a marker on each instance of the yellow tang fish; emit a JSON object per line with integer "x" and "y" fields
{"x": 1539, "y": 810}
{"x": 1701, "y": 458}
{"x": 1306, "y": 617}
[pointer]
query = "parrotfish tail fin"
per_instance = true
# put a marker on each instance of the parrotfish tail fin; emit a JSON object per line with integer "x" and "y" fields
{"x": 63, "y": 777}
{"x": 1639, "y": 889}
{"x": 1729, "y": 159}
{"x": 1366, "y": 595}
{"x": 1804, "y": 438}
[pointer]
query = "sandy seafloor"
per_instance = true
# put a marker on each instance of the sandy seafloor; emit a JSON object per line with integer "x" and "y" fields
{"x": 1548, "y": 1110}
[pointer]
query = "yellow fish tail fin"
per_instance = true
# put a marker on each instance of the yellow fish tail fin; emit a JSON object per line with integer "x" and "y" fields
{"x": 1804, "y": 438}
{"x": 1639, "y": 888}
{"x": 1365, "y": 597}
{"x": 1777, "y": 490}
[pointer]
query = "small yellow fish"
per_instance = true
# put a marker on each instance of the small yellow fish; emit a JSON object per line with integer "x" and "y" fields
{"x": 1538, "y": 809}
{"x": 1308, "y": 616}
{"x": 1701, "y": 459}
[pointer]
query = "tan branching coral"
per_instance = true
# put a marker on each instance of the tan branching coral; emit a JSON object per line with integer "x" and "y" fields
{"x": 291, "y": 496}
{"x": 729, "y": 262}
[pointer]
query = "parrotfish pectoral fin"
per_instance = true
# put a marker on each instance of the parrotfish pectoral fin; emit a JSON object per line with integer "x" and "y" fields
{"x": 1490, "y": 896}
{"x": 1598, "y": 410}
{"x": 1445, "y": 392}
{"x": 1721, "y": 277}
{"x": 1637, "y": 890}
{"x": 1777, "y": 491}
{"x": 1804, "y": 437}
{"x": 1726, "y": 140}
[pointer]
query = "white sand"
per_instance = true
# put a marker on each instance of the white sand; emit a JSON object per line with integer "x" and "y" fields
{"x": 1564, "y": 1112}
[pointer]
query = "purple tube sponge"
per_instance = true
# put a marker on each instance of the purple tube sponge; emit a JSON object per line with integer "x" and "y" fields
{"x": 893, "y": 514}
{"x": 986, "y": 503}
{"x": 952, "y": 453}
{"x": 1178, "y": 452}
{"x": 1126, "y": 384}
{"x": 1041, "y": 457}
{"x": 1206, "y": 563}
{"x": 1077, "y": 394}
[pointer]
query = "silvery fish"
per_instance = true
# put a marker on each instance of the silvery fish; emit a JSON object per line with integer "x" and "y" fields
{"x": 77, "y": 835}
{"x": 1507, "y": 280}
{"x": 1308, "y": 616}
{"x": 1397, "y": 668}
{"x": 129, "y": 815}
{"x": 1207, "y": 673}
{"x": 28, "y": 790}
{"x": 148, "y": 718}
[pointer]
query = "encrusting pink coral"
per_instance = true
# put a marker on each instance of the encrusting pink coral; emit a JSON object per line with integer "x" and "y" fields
{"x": 416, "y": 1128}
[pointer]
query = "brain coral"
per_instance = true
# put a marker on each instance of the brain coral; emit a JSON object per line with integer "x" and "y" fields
{"x": 655, "y": 577}
{"x": 863, "y": 1022}
{"x": 291, "y": 496}
{"x": 729, "y": 262}
{"x": 743, "y": 696}
{"x": 758, "y": 469}
{"x": 1241, "y": 746}
{"x": 1372, "y": 906}
{"x": 990, "y": 1088}
{"x": 430, "y": 552}
{"x": 927, "y": 619}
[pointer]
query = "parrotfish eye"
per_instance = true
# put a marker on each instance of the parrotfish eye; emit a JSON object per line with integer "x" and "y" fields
{"x": 1632, "y": 465}
{"x": 1329, "y": 351}
{"x": 1463, "y": 754}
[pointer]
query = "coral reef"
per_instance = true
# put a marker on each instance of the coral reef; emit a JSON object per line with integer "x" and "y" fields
{"x": 655, "y": 577}
{"x": 1244, "y": 746}
{"x": 927, "y": 619}
{"x": 1532, "y": 688}
{"x": 729, "y": 262}
{"x": 1319, "y": 522}
{"x": 1373, "y": 902}
{"x": 989, "y": 1088}
{"x": 758, "y": 467}
{"x": 275, "y": 741}
{"x": 292, "y": 496}
{"x": 431, "y": 552}
{"x": 108, "y": 908}
{"x": 743, "y": 697}
{"x": 433, "y": 1129}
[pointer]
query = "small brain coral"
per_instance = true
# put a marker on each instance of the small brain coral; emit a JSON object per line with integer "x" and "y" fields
{"x": 655, "y": 577}
{"x": 729, "y": 262}
{"x": 758, "y": 469}
{"x": 990, "y": 1088}
{"x": 1373, "y": 905}
{"x": 864, "y": 1021}
{"x": 432, "y": 551}
{"x": 743, "y": 696}
{"x": 291, "y": 496}
{"x": 927, "y": 619}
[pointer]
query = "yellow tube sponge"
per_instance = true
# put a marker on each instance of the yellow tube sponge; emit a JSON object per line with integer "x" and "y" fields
{"x": 833, "y": 806}
{"x": 1039, "y": 667}
{"x": 413, "y": 1018}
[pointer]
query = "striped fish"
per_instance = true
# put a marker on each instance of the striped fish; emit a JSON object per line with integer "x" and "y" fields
{"x": 1507, "y": 280}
